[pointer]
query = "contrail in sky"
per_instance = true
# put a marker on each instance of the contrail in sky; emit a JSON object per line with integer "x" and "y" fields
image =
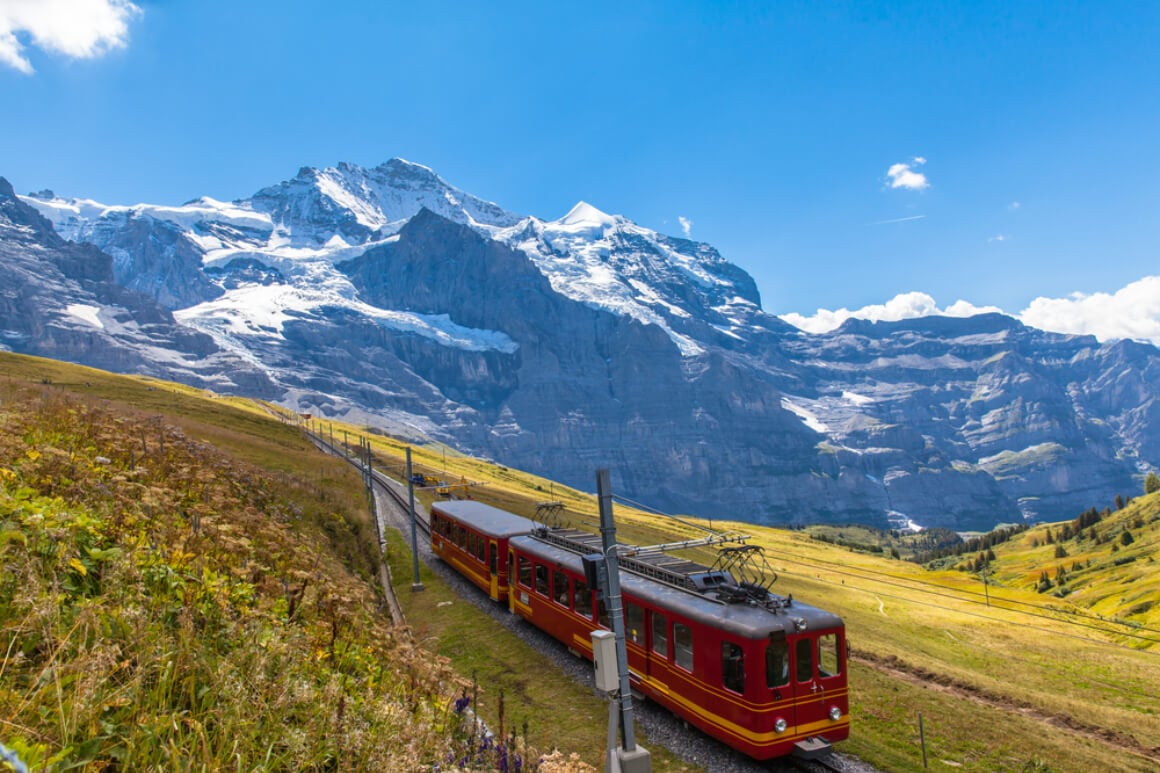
{"x": 898, "y": 220}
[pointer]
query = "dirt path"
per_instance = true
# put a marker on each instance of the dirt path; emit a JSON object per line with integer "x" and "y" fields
{"x": 921, "y": 677}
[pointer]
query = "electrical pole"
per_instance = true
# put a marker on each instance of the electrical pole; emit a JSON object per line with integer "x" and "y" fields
{"x": 415, "y": 584}
{"x": 986, "y": 590}
{"x": 630, "y": 758}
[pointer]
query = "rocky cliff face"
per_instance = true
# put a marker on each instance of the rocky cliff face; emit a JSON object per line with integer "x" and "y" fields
{"x": 61, "y": 299}
{"x": 387, "y": 296}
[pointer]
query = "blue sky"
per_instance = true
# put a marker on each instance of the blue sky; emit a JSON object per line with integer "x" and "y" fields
{"x": 1024, "y": 138}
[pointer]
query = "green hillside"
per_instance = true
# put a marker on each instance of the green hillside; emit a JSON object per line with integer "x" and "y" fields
{"x": 173, "y": 559}
{"x": 188, "y": 584}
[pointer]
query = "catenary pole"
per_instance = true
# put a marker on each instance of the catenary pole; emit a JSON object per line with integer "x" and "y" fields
{"x": 615, "y": 611}
{"x": 415, "y": 584}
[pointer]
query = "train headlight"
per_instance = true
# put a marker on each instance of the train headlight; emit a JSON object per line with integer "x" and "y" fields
{"x": 780, "y": 725}
{"x": 835, "y": 713}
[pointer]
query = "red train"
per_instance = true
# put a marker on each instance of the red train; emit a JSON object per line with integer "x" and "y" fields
{"x": 762, "y": 673}
{"x": 473, "y": 538}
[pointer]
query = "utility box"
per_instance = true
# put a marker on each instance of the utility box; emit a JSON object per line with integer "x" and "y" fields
{"x": 595, "y": 572}
{"x": 604, "y": 660}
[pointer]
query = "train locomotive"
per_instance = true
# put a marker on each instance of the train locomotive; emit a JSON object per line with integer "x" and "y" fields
{"x": 763, "y": 673}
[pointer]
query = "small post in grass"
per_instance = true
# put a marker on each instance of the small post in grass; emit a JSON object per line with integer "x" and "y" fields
{"x": 922, "y": 740}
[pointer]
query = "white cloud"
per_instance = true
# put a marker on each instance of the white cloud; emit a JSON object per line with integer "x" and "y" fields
{"x": 1014, "y": 205}
{"x": 999, "y": 238}
{"x": 79, "y": 29}
{"x": 905, "y": 176}
{"x": 898, "y": 220}
{"x": 903, "y": 306}
{"x": 1131, "y": 312}
{"x": 686, "y": 225}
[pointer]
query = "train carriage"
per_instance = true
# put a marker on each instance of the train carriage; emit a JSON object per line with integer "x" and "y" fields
{"x": 769, "y": 680}
{"x": 473, "y": 538}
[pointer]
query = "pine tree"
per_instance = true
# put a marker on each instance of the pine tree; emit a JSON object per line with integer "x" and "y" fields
{"x": 1151, "y": 483}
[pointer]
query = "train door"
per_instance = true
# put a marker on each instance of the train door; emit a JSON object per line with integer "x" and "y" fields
{"x": 511, "y": 570}
{"x": 779, "y": 682}
{"x": 818, "y": 680}
{"x": 497, "y": 580}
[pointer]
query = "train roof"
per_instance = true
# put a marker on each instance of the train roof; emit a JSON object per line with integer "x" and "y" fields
{"x": 485, "y": 518}
{"x": 742, "y": 619}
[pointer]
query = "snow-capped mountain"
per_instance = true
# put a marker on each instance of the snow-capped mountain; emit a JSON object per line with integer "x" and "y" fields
{"x": 388, "y": 296}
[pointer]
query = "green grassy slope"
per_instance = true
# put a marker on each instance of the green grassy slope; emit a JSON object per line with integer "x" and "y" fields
{"x": 1031, "y": 681}
{"x": 187, "y": 584}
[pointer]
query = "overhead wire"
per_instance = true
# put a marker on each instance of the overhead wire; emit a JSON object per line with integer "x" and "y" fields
{"x": 941, "y": 592}
{"x": 993, "y": 599}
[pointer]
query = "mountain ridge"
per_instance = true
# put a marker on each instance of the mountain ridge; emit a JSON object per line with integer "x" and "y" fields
{"x": 590, "y": 341}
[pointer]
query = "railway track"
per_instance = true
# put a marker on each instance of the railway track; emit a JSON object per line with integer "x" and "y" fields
{"x": 382, "y": 482}
{"x": 823, "y": 765}
{"x": 660, "y": 725}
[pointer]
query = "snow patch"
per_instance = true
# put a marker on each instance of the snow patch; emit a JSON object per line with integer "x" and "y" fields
{"x": 903, "y": 522}
{"x": 261, "y": 311}
{"x": 807, "y": 417}
{"x": 86, "y": 313}
{"x": 856, "y": 399}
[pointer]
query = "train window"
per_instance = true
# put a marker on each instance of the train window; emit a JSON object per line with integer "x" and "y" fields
{"x": 683, "y": 646}
{"x": 804, "y": 654}
{"x": 602, "y": 615}
{"x": 560, "y": 587}
{"x": 480, "y": 547}
{"x": 634, "y": 624}
{"x": 541, "y": 579}
{"x": 777, "y": 661}
{"x": 583, "y": 599}
{"x": 829, "y": 660}
{"x": 494, "y": 560}
{"x": 525, "y": 572}
{"x": 732, "y": 667}
{"x": 462, "y": 541}
{"x": 660, "y": 634}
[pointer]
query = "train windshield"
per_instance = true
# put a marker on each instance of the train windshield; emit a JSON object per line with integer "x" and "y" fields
{"x": 777, "y": 660}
